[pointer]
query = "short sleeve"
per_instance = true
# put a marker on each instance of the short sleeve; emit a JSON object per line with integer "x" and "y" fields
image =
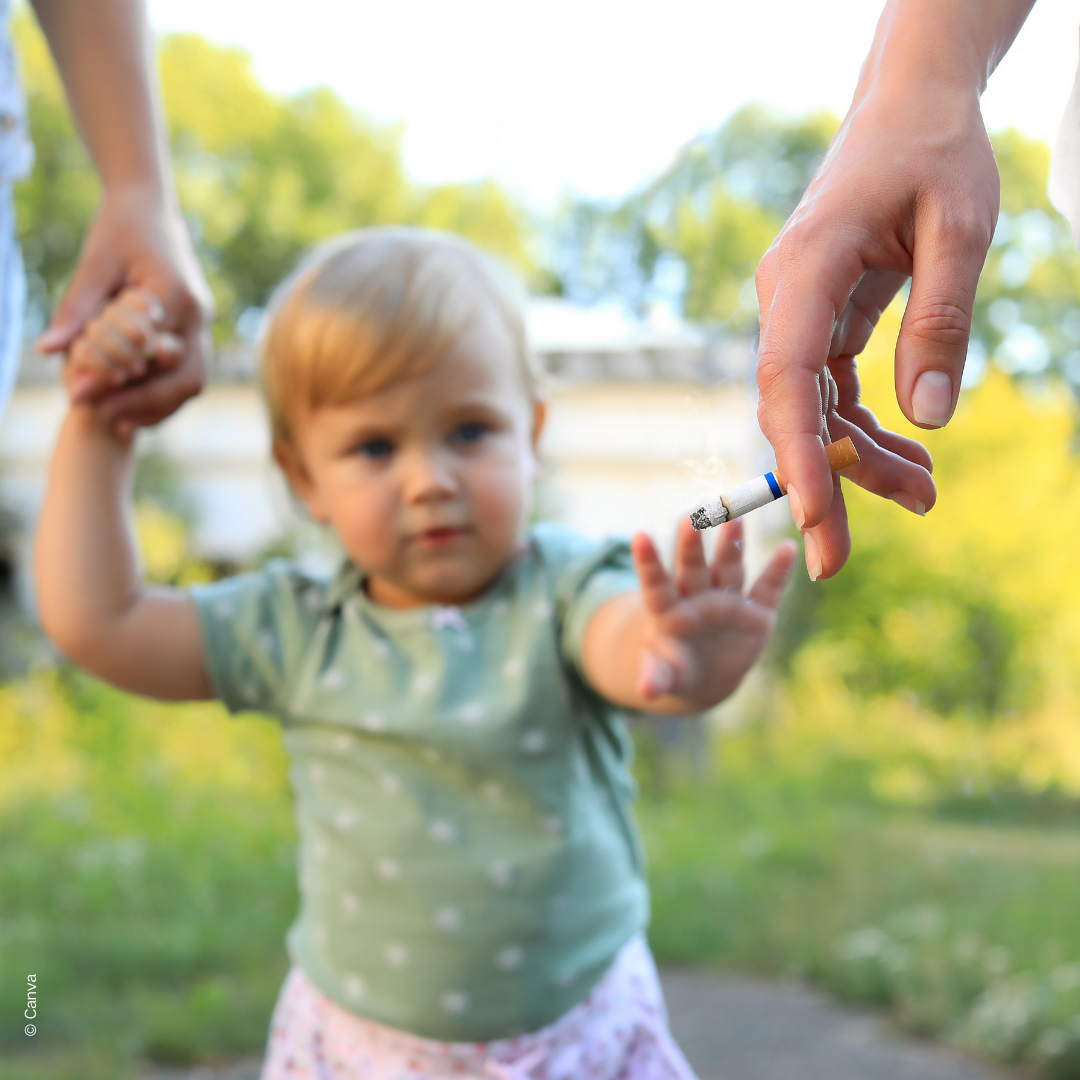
{"x": 255, "y": 628}
{"x": 587, "y": 574}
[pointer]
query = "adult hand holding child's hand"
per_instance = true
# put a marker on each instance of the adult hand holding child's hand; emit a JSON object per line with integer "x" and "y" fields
{"x": 124, "y": 345}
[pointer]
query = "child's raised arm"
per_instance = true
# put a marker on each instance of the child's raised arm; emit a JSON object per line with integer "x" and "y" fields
{"x": 683, "y": 644}
{"x": 91, "y": 598}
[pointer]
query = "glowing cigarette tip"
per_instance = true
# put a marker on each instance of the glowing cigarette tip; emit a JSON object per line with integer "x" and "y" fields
{"x": 764, "y": 490}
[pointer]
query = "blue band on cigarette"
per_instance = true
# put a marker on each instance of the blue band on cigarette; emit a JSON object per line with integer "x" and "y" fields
{"x": 774, "y": 487}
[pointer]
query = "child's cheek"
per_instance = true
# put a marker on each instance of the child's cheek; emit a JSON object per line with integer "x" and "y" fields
{"x": 500, "y": 494}
{"x": 365, "y": 525}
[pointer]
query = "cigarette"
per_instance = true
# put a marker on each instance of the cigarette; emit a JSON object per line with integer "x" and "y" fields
{"x": 764, "y": 490}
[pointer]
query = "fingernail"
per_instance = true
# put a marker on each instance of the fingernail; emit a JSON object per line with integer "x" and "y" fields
{"x": 796, "y": 507}
{"x": 909, "y": 502}
{"x": 813, "y": 557}
{"x": 932, "y": 398}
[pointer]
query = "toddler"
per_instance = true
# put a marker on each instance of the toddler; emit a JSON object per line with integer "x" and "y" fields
{"x": 473, "y": 899}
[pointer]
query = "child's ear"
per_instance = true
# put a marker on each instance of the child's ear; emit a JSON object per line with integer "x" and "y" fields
{"x": 304, "y": 488}
{"x": 539, "y": 416}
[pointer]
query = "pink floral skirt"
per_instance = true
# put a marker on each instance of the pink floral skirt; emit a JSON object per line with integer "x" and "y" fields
{"x": 619, "y": 1032}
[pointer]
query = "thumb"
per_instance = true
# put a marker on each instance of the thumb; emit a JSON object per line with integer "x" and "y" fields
{"x": 88, "y": 290}
{"x": 656, "y": 676}
{"x": 933, "y": 342}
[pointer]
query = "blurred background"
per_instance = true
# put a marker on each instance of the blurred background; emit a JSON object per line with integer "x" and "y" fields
{"x": 890, "y": 808}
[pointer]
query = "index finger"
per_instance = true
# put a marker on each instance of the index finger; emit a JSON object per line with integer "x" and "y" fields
{"x": 812, "y": 286}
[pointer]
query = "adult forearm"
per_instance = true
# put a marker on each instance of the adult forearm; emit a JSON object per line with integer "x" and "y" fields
{"x": 86, "y": 566}
{"x": 958, "y": 42}
{"x": 104, "y": 51}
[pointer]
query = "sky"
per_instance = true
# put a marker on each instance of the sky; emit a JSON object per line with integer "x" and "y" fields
{"x": 590, "y": 96}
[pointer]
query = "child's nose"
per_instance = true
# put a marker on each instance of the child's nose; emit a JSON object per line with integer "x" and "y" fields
{"x": 429, "y": 476}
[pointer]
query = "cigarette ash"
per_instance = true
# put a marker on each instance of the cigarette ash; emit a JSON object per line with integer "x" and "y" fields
{"x": 701, "y": 519}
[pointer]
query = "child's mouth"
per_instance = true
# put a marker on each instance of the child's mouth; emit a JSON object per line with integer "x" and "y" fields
{"x": 440, "y": 536}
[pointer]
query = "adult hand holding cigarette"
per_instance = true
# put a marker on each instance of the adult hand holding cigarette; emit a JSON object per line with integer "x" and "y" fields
{"x": 764, "y": 490}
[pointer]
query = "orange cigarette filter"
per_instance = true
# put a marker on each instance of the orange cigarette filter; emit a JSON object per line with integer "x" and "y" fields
{"x": 765, "y": 489}
{"x": 841, "y": 454}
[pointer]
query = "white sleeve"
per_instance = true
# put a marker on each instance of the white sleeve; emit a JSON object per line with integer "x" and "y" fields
{"x": 1064, "y": 185}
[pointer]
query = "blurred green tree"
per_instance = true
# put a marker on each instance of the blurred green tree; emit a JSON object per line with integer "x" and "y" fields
{"x": 261, "y": 177}
{"x": 692, "y": 238}
{"x": 972, "y": 612}
{"x": 1027, "y": 309}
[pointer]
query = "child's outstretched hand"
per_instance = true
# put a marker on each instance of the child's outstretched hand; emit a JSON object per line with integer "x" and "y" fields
{"x": 124, "y": 343}
{"x": 702, "y": 632}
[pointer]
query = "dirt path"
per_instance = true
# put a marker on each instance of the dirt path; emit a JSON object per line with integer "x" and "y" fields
{"x": 736, "y": 1028}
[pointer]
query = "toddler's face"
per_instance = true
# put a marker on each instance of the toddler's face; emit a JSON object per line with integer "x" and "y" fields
{"x": 426, "y": 482}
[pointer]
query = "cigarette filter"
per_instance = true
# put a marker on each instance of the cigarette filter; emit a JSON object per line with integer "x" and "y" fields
{"x": 764, "y": 490}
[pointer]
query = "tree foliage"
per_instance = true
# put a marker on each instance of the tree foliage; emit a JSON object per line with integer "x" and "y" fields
{"x": 261, "y": 177}
{"x": 1027, "y": 309}
{"x": 693, "y": 237}
{"x": 971, "y": 612}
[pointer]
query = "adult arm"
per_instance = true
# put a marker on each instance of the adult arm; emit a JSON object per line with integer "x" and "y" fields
{"x": 103, "y": 50}
{"x": 909, "y": 188}
{"x": 91, "y": 598}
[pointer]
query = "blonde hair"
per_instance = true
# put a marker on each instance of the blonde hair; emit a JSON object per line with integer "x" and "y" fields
{"x": 373, "y": 307}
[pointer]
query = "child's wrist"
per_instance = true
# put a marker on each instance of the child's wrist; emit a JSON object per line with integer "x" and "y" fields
{"x": 89, "y": 423}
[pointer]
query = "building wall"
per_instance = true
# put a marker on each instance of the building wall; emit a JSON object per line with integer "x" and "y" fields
{"x": 618, "y": 456}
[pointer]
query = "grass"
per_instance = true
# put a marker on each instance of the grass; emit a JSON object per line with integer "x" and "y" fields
{"x": 148, "y": 879}
{"x": 150, "y": 901}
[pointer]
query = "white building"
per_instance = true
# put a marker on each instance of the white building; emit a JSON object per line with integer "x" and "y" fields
{"x": 646, "y": 420}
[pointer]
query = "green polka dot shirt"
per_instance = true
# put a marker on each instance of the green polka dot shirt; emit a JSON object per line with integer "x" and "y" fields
{"x": 469, "y": 862}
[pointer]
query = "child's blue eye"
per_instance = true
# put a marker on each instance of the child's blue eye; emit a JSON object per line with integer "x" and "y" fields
{"x": 376, "y": 449}
{"x": 472, "y": 432}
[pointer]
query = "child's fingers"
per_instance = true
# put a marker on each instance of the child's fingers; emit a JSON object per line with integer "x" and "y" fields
{"x": 691, "y": 569}
{"x": 87, "y": 371}
{"x": 144, "y": 301}
{"x": 658, "y": 591}
{"x": 126, "y": 329}
{"x": 134, "y": 325}
{"x": 769, "y": 586}
{"x": 728, "y": 571}
{"x": 124, "y": 354}
{"x": 168, "y": 351}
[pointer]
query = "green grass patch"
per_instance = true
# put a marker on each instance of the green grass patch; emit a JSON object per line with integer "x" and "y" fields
{"x": 150, "y": 901}
{"x": 149, "y": 883}
{"x": 965, "y": 926}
